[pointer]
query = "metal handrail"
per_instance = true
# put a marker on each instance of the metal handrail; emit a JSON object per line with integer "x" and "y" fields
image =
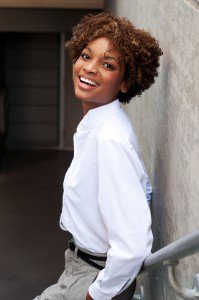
{"x": 169, "y": 256}
{"x": 181, "y": 248}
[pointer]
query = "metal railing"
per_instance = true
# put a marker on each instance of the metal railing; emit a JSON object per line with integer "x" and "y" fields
{"x": 169, "y": 256}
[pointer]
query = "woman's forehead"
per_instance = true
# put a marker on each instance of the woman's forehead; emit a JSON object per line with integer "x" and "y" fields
{"x": 103, "y": 43}
{"x": 105, "y": 46}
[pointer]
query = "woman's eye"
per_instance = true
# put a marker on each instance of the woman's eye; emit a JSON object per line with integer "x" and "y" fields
{"x": 109, "y": 66}
{"x": 84, "y": 56}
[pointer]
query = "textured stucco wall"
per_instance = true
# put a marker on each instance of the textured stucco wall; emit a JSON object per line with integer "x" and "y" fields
{"x": 166, "y": 119}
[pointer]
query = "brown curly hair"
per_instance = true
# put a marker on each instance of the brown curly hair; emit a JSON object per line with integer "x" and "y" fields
{"x": 138, "y": 49}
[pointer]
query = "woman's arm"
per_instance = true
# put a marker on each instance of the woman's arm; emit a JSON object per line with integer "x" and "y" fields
{"x": 126, "y": 214}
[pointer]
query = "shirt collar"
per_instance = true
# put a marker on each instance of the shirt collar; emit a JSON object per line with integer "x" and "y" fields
{"x": 96, "y": 116}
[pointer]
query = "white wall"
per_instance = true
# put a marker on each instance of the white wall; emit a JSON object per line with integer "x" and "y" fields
{"x": 166, "y": 119}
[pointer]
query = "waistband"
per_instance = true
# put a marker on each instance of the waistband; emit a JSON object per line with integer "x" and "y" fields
{"x": 88, "y": 251}
{"x": 97, "y": 260}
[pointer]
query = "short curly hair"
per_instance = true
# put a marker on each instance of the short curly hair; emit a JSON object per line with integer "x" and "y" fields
{"x": 138, "y": 49}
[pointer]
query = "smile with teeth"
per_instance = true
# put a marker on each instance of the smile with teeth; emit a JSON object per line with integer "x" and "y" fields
{"x": 87, "y": 81}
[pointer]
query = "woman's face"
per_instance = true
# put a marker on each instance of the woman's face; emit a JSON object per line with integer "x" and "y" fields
{"x": 98, "y": 74}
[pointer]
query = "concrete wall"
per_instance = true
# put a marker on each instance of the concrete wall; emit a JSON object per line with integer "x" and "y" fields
{"x": 166, "y": 119}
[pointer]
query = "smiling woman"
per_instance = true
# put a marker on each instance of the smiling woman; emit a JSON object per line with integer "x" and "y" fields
{"x": 98, "y": 77}
{"x": 106, "y": 188}
{"x": 137, "y": 49}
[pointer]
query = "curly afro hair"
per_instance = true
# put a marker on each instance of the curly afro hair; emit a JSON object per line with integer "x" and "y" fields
{"x": 138, "y": 49}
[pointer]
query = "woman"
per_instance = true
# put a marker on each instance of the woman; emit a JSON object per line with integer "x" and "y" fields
{"x": 106, "y": 188}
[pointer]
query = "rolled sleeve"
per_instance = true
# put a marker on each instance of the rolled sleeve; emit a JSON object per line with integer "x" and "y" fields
{"x": 126, "y": 213}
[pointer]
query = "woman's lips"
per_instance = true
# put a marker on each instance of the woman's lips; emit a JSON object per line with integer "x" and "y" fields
{"x": 85, "y": 86}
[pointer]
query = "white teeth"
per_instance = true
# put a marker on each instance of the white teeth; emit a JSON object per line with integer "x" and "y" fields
{"x": 88, "y": 81}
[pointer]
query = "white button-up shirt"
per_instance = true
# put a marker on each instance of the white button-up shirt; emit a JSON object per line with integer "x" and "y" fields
{"x": 106, "y": 195}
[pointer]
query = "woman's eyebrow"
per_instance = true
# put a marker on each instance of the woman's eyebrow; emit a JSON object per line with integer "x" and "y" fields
{"x": 105, "y": 56}
{"x": 111, "y": 57}
{"x": 89, "y": 49}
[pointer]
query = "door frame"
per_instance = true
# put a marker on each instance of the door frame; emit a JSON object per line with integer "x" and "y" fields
{"x": 62, "y": 91}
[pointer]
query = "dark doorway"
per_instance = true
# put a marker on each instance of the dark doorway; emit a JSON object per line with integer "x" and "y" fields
{"x": 31, "y": 80}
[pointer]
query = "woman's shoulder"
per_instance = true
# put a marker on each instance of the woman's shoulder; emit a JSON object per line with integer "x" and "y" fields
{"x": 117, "y": 127}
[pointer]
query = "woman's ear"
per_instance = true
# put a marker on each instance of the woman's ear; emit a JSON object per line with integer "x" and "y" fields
{"x": 123, "y": 87}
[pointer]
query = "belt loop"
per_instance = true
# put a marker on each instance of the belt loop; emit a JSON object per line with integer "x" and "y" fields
{"x": 76, "y": 249}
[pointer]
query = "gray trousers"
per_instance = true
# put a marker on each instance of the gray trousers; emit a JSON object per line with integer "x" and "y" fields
{"x": 76, "y": 279}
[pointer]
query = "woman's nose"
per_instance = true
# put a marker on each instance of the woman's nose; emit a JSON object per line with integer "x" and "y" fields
{"x": 90, "y": 68}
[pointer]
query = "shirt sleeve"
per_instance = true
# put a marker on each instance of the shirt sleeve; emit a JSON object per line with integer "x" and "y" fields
{"x": 126, "y": 213}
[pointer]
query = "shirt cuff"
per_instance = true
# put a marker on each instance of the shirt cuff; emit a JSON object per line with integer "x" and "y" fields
{"x": 96, "y": 294}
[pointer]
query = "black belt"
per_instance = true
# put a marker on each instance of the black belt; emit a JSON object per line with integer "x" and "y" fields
{"x": 87, "y": 257}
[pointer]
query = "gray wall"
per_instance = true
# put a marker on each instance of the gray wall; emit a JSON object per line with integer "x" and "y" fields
{"x": 166, "y": 119}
